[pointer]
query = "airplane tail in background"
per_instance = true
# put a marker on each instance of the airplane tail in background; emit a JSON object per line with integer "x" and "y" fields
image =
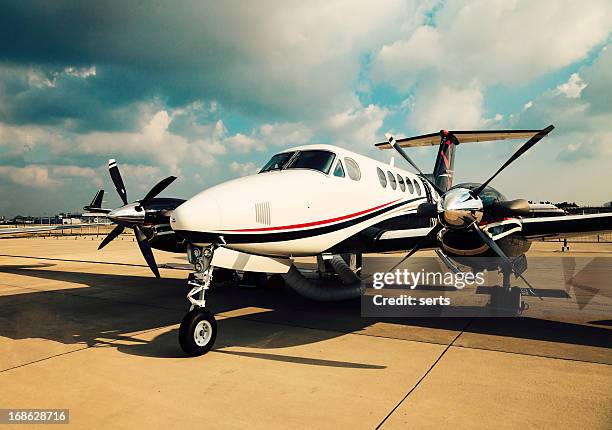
{"x": 445, "y": 161}
{"x": 96, "y": 203}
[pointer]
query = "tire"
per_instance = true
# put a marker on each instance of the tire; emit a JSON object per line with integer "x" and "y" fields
{"x": 198, "y": 332}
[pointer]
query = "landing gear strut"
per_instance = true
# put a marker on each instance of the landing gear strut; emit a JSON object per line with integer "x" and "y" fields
{"x": 198, "y": 329}
{"x": 507, "y": 300}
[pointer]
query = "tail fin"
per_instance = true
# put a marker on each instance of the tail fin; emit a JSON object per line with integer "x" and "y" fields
{"x": 444, "y": 169}
{"x": 96, "y": 203}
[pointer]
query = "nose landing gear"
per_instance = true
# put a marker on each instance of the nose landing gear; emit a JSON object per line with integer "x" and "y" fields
{"x": 198, "y": 330}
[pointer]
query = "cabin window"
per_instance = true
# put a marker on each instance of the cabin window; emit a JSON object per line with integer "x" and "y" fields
{"x": 314, "y": 159}
{"x": 400, "y": 181}
{"x": 417, "y": 187}
{"x": 392, "y": 180}
{"x": 352, "y": 168}
{"x": 339, "y": 170}
{"x": 410, "y": 186}
{"x": 381, "y": 177}
{"x": 277, "y": 162}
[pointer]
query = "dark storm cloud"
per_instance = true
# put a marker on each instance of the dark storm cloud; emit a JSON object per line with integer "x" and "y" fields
{"x": 50, "y": 96}
{"x": 225, "y": 51}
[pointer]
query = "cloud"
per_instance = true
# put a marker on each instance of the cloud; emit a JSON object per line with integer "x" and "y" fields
{"x": 283, "y": 60}
{"x": 439, "y": 106}
{"x": 495, "y": 41}
{"x": 576, "y": 151}
{"x": 155, "y": 143}
{"x": 573, "y": 87}
{"x": 243, "y": 169}
{"x": 355, "y": 127}
{"x": 583, "y": 131}
{"x": 189, "y": 90}
{"x": 29, "y": 176}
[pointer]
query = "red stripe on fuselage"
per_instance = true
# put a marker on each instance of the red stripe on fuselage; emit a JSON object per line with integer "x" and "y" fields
{"x": 314, "y": 223}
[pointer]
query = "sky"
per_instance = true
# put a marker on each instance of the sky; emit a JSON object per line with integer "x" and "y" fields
{"x": 208, "y": 91}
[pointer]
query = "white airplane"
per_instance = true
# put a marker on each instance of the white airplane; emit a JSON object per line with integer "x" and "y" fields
{"x": 322, "y": 200}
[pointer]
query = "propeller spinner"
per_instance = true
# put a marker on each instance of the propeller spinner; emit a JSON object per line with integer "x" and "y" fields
{"x": 132, "y": 215}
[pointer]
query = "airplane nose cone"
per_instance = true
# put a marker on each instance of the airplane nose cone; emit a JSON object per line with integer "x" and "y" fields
{"x": 200, "y": 214}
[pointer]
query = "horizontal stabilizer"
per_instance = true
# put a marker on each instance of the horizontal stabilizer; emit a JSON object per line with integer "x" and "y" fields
{"x": 462, "y": 136}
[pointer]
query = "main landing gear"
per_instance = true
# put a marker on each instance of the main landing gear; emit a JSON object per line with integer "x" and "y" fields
{"x": 198, "y": 330}
{"x": 507, "y": 300}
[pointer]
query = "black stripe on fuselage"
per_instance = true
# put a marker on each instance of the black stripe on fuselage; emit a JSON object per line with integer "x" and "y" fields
{"x": 234, "y": 238}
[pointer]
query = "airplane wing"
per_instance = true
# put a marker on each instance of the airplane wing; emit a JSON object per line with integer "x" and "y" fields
{"x": 463, "y": 136}
{"x": 566, "y": 225}
{"x": 14, "y": 230}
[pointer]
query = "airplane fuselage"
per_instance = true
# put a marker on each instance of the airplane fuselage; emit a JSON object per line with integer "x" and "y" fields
{"x": 301, "y": 211}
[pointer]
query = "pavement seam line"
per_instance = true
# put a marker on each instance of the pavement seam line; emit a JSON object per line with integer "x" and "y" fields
{"x": 422, "y": 377}
{"x": 44, "y": 359}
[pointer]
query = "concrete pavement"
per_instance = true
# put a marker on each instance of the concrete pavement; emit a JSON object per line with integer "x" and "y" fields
{"x": 94, "y": 332}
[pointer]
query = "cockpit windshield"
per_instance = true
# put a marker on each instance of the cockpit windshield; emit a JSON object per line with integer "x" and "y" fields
{"x": 315, "y": 159}
{"x": 277, "y": 162}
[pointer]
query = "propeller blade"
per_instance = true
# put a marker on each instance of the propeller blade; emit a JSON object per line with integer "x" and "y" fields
{"x": 401, "y": 152}
{"x": 495, "y": 247}
{"x": 432, "y": 233}
{"x": 526, "y": 146}
{"x": 111, "y": 236}
{"x": 145, "y": 248}
{"x": 116, "y": 177}
{"x": 158, "y": 188}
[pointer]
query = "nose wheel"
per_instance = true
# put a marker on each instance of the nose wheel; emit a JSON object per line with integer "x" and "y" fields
{"x": 198, "y": 332}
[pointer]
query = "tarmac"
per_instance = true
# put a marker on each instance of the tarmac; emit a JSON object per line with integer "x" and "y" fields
{"x": 94, "y": 332}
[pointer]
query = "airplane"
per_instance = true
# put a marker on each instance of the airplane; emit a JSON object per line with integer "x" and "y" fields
{"x": 330, "y": 202}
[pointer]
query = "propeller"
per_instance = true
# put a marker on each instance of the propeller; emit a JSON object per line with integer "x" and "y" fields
{"x": 459, "y": 208}
{"x": 462, "y": 208}
{"x": 132, "y": 215}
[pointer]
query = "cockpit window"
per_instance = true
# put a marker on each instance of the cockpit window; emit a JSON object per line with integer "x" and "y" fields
{"x": 277, "y": 162}
{"x": 339, "y": 171}
{"x": 314, "y": 159}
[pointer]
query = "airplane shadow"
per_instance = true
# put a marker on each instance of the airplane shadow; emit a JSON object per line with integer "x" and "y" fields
{"x": 119, "y": 310}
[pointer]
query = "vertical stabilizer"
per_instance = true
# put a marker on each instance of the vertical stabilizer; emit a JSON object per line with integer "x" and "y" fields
{"x": 444, "y": 169}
